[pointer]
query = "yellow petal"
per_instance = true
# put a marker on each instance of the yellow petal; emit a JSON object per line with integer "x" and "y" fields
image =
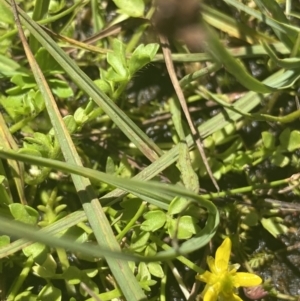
{"x": 246, "y": 279}
{"x": 211, "y": 264}
{"x": 211, "y": 292}
{"x": 207, "y": 277}
{"x": 223, "y": 255}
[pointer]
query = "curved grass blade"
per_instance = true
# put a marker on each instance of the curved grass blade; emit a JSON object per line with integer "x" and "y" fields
{"x": 285, "y": 29}
{"x": 221, "y": 55}
{"x": 17, "y": 229}
{"x": 153, "y": 192}
{"x": 232, "y": 26}
{"x": 58, "y": 227}
{"x": 288, "y": 63}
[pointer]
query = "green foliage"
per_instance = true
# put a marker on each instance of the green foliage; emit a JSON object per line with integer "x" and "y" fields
{"x": 23, "y": 105}
{"x": 290, "y": 140}
{"x": 132, "y": 8}
{"x": 7, "y": 16}
{"x": 24, "y": 82}
{"x": 37, "y": 251}
{"x": 154, "y": 220}
{"x": 105, "y": 117}
{"x": 49, "y": 292}
{"x": 25, "y": 214}
{"x": 274, "y": 225}
{"x": 121, "y": 70}
{"x": 4, "y": 196}
{"x": 4, "y": 240}
{"x": 183, "y": 227}
{"x": 51, "y": 209}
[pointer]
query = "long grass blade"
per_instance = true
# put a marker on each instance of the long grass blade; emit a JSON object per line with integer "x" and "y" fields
{"x": 156, "y": 193}
{"x": 90, "y": 203}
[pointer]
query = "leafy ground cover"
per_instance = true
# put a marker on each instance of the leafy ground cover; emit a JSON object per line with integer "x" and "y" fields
{"x": 135, "y": 137}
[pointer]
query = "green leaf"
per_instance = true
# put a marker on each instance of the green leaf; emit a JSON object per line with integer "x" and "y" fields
{"x": 177, "y": 206}
{"x": 9, "y": 67}
{"x": 241, "y": 160}
{"x": 290, "y": 140}
{"x": 284, "y": 138}
{"x": 154, "y": 220}
{"x": 23, "y": 81}
{"x": 130, "y": 205}
{"x": 279, "y": 159}
{"x": 143, "y": 272}
{"x": 26, "y": 296}
{"x": 38, "y": 251}
{"x": 73, "y": 275}
{"x": 115, "y": 77}
{"x": 139, "y": 241}
{"x": 172, "y": 226}
{"x": 4, "y": 240}
{"x": 58, "y": 210}
{"x": 76, "y": 232}
{"x": 22, "y": 105}
{"x": 80, "y": 116}
{"x": 268, "y": 140}
{"x": 70, "y": 123}
{"x": 6, "y": 14}
{"x": 187, "y": 227}
{"x": 184, "y": 229}
{"x": 49, "y": 293}
{"x": 60, "y": 88}
{"x": 224, "y": 135}
{"x": 117, "y": 61}
{"x": 47, "y": 269}
{"x": 146, "y": 284}
{"x": 104, "y": 85}
{"x": 132, "y": 8}
{"x": 141, "y": 56}
{"x": 155, "y": 269}
{"x": 24, "y": 213}
{"x": 39, "y": 103}
{"x": 90, "y": 284}
{"x": 91, "y": 273}
{"x": 274, "y": 226}
{"x": 47, "y": 63}
{"x": 56, "y": 6}
{"x": 151, "y": 249}
{"x": 30, "y": 151}
{"x": 39, "y": 142}
{"x": 110, "y": 167}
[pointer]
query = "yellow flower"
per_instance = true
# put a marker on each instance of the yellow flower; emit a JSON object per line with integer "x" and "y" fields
{"x": 223, "y": 279}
